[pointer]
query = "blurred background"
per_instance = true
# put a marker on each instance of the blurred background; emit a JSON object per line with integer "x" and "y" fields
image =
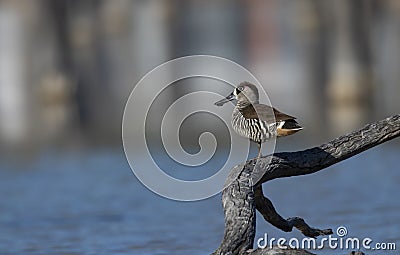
{"x": 66, "y": 71}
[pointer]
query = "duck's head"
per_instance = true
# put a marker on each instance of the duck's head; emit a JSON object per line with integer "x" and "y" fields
{"x": 245, "y": 94}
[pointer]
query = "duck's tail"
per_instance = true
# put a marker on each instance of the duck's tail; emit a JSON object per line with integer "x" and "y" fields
{"x": 288, "y": 127}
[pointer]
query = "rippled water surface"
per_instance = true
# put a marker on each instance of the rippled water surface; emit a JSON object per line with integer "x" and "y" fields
{"x": 90, "y": 203}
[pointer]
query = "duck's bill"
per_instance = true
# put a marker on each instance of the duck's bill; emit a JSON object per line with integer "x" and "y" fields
{"x": 225, "y": 100}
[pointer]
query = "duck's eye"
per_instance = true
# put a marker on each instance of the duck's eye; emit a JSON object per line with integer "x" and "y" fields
{"x": 240, "y": 88}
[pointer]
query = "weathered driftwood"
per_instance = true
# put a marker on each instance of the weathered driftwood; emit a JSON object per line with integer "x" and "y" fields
{"x": 242, "y": 193}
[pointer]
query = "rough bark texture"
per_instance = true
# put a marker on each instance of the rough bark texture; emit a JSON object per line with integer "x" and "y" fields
{"x": 242, "y": 193}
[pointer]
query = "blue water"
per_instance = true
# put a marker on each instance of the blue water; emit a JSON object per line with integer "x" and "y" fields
{"x": 89, "y": 202}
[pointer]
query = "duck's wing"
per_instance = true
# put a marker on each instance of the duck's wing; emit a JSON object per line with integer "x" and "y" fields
{"x": 265, "y": 113}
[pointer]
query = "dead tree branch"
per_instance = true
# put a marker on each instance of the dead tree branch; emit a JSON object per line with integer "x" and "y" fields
{"x": 242, "y": 193}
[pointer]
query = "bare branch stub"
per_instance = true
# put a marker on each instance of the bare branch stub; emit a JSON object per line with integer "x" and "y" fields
{"x": 265, "y": 207}
{"x": 242, "y": 193}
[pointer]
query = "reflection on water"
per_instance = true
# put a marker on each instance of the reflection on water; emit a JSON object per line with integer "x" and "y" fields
{"x": 90, "y": 203}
